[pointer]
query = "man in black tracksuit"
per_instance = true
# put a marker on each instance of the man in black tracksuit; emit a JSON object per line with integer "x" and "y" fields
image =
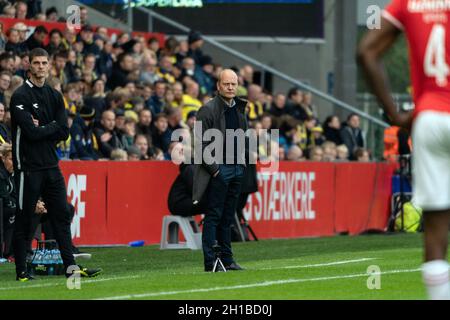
{"x": 38, "y": 123}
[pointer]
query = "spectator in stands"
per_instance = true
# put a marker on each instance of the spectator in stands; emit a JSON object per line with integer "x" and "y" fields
{"x": 23, "y": 29}
{"x": 144, "y": 125}
{"x": 16, "y": 82}
{"x": 119, "y": 155}
{"x": 2, "y": 37}
{"x": 41, "y": 17}
{"x": 255, "y": 106}
{"x": 51, "y": 14}
{"x": 317, "y": 138}
{"x": 278, "y": 105}
{"x": 21, "y": 10}
{"x": 177, "y": 89}
{"x": 288, "y": 133}
{"x": 295, "y": 154}
{"x": 156, "y": 103}
{"x": 190, "y": 122}
{"x": 106, "y": 134}
{"x": 308, "y": 105}
{"x": 316, "y": 154}
{"x": 83, "y": 15}
{"x": 329, "y": 151}
{"x": 7, "y": 62}
{"x": 332, "y": 129}
{"x": 9, "y": 11}
{"x": 160, "y": 133}
{"x": 55, "y": 44}
{"x": 121, "y": 69}
{"x": 5, "y": 132}
{"x": 153, "y": 44}
{"x": 13, "y": 44}
{"x": 142, "y": 142}
{"x": 88, "y": 68}
{"x": 170, "y": 49}
{"x": 204, "y": 76}
{"x": 9, "y": 197}
{"x": 105, "y": 61}
{"x": 58, "y": 68}
{"x": 5, "y": 81}
{"x": 164, "y": 70}
{"x": 148, "y": 69}
{"x": 266, "y": 121}
{"x": 351, "y": 135}
{"x": 87, "y": 37}
{"x": 294, "y": 106}
{"x": 195, "y": 42}
{"x": 342, "y": 153}
{"x": 190, "y": 99}
{"x": 85, "y": 144}
{"x": 129, "y": 132}
{"x": 188, "y": 68}
{"x": 247, "y": 74}
{"x": 69, "y": 37}
{"x": 174, "y": 118}
{"x": 36, "y": 40}
{"x": 134, "y": 154}
{"x": 362, "y": 155}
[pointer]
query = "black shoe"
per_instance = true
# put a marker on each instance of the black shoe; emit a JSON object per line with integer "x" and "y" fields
{"x": 24, "y": 277}
{"x": 234, "y": 267}
{"x": 209, "y": 268}
{"x": 85, "y": 272}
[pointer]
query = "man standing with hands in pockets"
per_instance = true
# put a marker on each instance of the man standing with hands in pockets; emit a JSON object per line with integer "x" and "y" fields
{"x": 221, "y": 179}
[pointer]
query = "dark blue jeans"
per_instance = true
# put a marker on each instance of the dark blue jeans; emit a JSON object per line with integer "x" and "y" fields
{"x": 223, "y": 194}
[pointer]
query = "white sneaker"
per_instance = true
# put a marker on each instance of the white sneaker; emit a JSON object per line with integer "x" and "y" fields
{"x": 82, "y": 255}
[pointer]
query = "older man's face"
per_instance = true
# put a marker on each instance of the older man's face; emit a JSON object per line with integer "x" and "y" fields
{"x": 228, "y": 84}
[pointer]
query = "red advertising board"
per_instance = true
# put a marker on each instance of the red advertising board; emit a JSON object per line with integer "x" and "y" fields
{"x": 119, "y": 202}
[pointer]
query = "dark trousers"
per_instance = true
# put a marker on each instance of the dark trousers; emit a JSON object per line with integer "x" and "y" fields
{"x": 48, "y": 184}
{"x": 223, "y": 193}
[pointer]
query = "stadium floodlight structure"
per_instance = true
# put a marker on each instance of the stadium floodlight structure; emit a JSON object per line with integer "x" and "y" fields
{"x": 240, "y": 55}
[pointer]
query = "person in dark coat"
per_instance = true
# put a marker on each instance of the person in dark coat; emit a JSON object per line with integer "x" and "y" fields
{"x": 9, "y": 197}
{"x": 180, "y": 194}
{"x": 332, "y": 129}
{"x": 222, "y": 177}
{"x": 351, "y": 135}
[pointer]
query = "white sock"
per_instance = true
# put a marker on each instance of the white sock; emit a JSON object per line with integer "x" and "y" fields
{"x": 436, "y": 278}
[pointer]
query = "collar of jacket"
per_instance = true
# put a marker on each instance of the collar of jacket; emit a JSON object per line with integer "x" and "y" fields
{"x": 240, "y": 103}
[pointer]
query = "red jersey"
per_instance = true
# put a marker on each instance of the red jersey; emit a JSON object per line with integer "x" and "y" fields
{"x": 426, "y": 24}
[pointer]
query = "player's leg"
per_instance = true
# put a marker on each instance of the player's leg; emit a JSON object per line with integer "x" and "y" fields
{"x": 431, "y": 179}
{"x": 435, "y": 270}
{"x": 28, "y": 191}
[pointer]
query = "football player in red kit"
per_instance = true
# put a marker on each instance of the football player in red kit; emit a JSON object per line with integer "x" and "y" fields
{"x": 426, "y": 25}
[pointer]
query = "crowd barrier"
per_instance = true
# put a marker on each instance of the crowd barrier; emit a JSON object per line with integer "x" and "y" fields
{"x": 112, "y": 32}
{"x": 119, "y": 202}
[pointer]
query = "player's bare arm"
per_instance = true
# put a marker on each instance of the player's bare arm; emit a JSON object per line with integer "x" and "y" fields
{"x": 370, "y": 53}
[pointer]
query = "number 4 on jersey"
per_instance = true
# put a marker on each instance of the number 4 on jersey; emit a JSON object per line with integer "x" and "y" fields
{"x": 435, "y": 64}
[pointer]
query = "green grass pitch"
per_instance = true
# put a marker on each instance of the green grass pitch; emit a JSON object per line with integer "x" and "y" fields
{"x": 319, "y": 268}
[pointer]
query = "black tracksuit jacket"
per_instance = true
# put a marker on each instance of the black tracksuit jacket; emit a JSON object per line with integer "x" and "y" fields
{"x": 34, "y": 148}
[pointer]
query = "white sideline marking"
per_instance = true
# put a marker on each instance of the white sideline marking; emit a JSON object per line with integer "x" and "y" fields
{"x": 134, "y": 277}
{"x": 319, "y": 264}
{"x": 63, "y": 283}
{"x": 251, "y": 285}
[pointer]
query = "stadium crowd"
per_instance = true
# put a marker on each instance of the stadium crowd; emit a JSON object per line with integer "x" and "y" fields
{"x": 125, "y": 96}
